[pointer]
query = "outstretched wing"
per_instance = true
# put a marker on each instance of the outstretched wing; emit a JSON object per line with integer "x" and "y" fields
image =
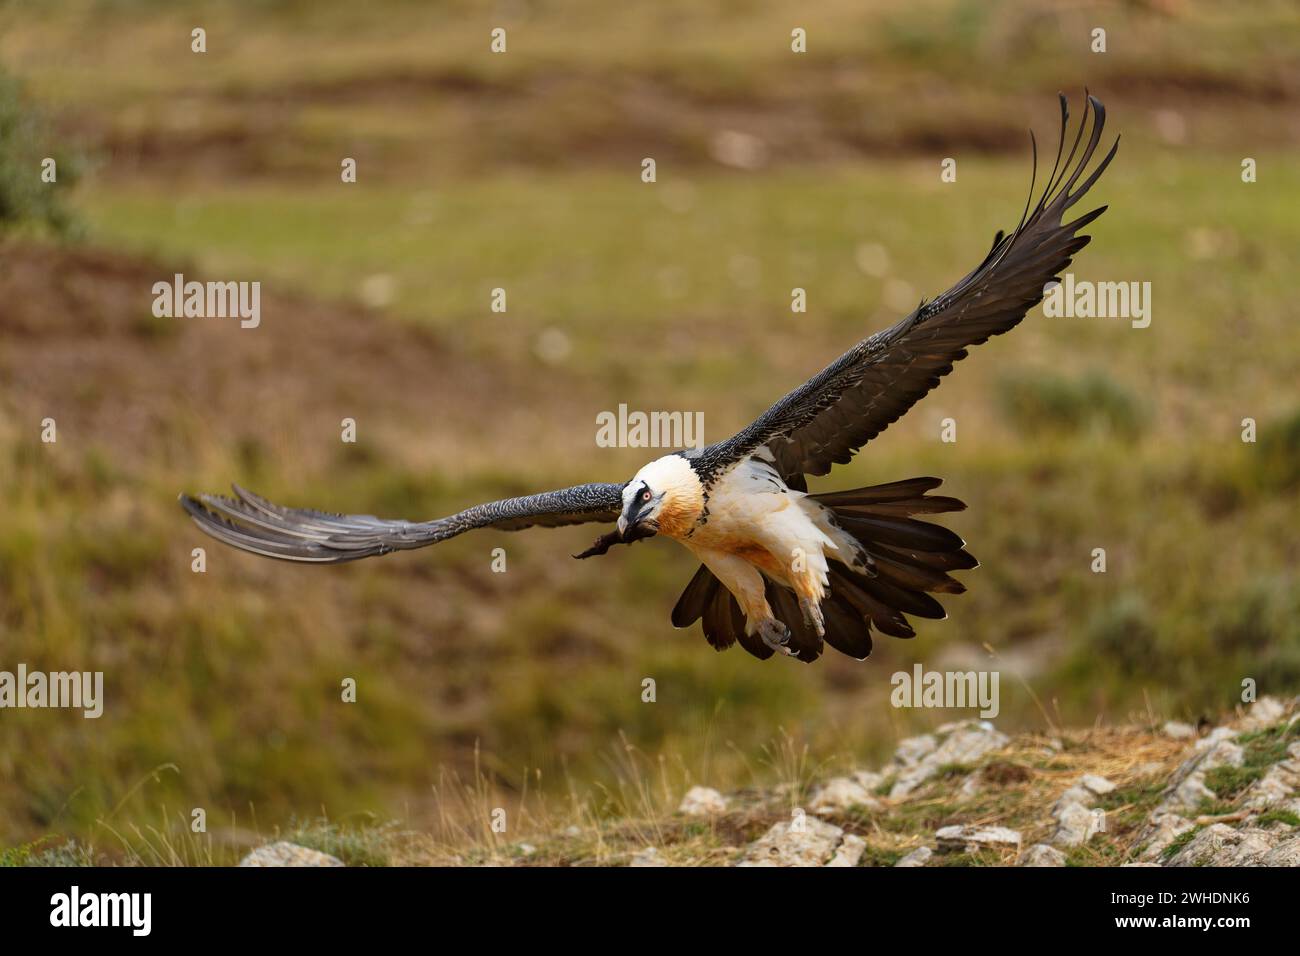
{"x": 827, "y": 419}
{"x": 254, "y": 524}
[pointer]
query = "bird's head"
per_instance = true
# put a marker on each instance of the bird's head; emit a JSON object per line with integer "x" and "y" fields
{"x": 663, "y": 497}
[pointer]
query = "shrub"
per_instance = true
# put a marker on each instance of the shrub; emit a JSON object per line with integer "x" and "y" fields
{"x": 24, "y": 143}
{"x": 1122, "y": 631}
{"x": 1278, "y": 461}
{"x": 1045, "y": 402}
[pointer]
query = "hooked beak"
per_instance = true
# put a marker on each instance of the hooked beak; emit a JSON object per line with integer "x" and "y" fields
{"x": 635, "y": 528}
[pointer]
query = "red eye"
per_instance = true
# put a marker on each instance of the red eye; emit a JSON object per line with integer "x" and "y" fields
{"x": 645, "y": 496}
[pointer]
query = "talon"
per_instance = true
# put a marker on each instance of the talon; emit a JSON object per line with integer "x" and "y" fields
{"x": 776, "y": 636}
{"x": 812, "y": 615}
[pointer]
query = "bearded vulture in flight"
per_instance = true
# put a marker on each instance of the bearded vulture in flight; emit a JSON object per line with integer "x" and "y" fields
{"x": 781, "y": 570}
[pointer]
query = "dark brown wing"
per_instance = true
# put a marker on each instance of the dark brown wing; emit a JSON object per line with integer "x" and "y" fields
{"x": 827, "y": 419}
{"x": 254, "y": 524}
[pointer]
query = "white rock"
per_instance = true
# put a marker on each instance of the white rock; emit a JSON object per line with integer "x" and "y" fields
{"x": 1223, "y": 754}
{"x": 1078, "y": 795}
{"x": 1076, "y": 825}
{"x": 650, "y": 856}
{"x": 1274, "y": 787}
{"x": 1221, "y": 845}
{"x": 849, "y": 852}
{"x": 962, "y": 747}
{"x": 1190, "y": 793}
{"x": 918, "y": 857}
{"x": 285, "y": 853}
{"x": 811, "y": 845}
{"x": 1040, "y": 854}
{"x": 1097, "y": 784}
{"x": 702, "y": 802}
{"x": 972, "y": 786}
{"x": 1286, "y": 853}
{"x": 1217, "y": 736}
{"x": 869, "y": 780}
{"x": 967, "y": 744}
{"x": 909, "y": 780}
{"x": 841, "y": 793}
{"x": 1265, "y": 712}
{"x": 1162, "y": 829}
{"x": 969, "y": 839}
{"x": 911, "y": 750}
{"x": 1179, "y": 730}
{"x": 1187, "y": 786}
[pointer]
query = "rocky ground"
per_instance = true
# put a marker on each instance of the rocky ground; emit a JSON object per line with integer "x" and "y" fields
{"x": 969, "y": 795}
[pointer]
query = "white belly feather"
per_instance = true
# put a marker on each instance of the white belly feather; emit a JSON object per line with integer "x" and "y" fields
{"x": 751, "y": 508}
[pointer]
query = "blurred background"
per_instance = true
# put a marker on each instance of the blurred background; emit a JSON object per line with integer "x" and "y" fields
{"x": 522, "y": 171}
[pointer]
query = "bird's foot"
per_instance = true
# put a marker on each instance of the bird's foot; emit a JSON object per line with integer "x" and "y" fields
{"x": 812, "y": 615}
{"x": 775, "y": 635}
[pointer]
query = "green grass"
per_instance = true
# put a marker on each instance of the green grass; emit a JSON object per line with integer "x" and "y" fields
{"x": 1262, "y": 749}
{"x": 1285, "y": 817}
{"x": 878, "y": 856}
{"x": 36, "y": 172}
{"x": 1050, "y": 404}
{"x": 1177, "y": 844}
{"x": 45, "y": 852}
{"x": 368, "y": 845}
{"x": 1214, "y": 808}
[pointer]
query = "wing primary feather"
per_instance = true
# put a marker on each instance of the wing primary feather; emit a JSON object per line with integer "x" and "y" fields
{"x": 1088, "y": 183}
{"x": 826, "y": 420}
{"x": 1060, "y": 151}
{"x": 252, "y": 523}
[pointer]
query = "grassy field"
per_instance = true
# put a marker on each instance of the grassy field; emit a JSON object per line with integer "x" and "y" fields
{"x": 522, "y": 171}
